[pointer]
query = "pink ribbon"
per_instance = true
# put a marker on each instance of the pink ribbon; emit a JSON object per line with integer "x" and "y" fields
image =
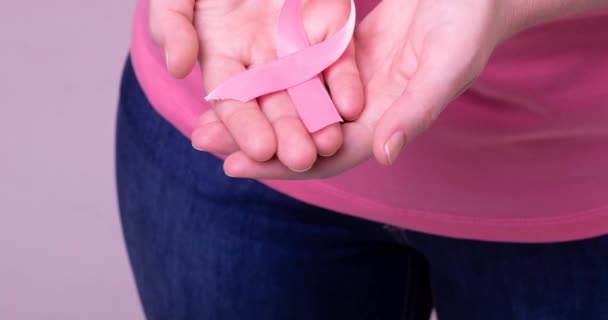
{"x": 297, "y": 70}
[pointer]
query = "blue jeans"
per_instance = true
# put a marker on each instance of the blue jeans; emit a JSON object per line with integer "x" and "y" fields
{"x": 206, "y": 246}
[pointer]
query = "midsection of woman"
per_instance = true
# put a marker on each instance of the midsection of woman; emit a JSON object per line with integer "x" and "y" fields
{"x": 519, "y": 157}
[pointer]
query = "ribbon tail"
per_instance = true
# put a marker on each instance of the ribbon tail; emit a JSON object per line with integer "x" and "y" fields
{"x": 311, "y": 99}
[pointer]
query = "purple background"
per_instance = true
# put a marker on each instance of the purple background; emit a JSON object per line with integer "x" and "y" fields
{"x": 61, "y": 250}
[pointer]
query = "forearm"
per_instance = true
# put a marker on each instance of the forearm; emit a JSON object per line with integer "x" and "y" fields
{"x": 523, "y": 14}
{"x": 518, "y": 15}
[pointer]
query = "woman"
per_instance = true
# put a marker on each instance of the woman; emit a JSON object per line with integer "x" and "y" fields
{"x": 498, "y": 210}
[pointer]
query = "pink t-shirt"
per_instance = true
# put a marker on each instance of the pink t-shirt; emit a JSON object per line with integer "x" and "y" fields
{"x": 522, "y": 156}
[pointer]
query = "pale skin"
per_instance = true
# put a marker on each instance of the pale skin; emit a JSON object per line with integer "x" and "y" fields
{"x": 412, "y": 58}
{"x": 239, "y": 34}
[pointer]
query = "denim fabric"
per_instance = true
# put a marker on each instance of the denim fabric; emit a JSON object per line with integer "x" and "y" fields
{"x": 206, "y": 246}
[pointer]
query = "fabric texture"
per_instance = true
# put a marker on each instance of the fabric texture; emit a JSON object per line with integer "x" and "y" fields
{"x": 521, "y": 156}
{"x": 206, "y": 246}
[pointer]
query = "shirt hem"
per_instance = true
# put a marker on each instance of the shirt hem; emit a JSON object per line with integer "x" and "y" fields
{"x": 564, "y": 227}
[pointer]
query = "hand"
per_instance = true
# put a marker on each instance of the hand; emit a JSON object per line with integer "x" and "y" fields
{"x": 414, "y": 57}
{"x": 233, "y": 35}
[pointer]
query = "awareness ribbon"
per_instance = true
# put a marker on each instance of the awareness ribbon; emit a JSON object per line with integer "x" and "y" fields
{"x": 297, "y": 70}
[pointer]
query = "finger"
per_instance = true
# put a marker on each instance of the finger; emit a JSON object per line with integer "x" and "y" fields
{"x": 172, "y": 29}
{"x": 356, "y": 150}
{"x": 344, "y": 83}
{"x": 428, "y": 92}
{"x": 212, "y": 136}
{"x": 245, "y": 121}
{"x": 295, "y": 147}
{"x": 328, "y": 140}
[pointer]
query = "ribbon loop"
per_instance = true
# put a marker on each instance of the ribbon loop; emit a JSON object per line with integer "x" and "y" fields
{"x": 297, "y": 69}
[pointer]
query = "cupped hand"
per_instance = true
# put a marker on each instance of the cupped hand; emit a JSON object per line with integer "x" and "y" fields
{"x": 231, "y": 36}
{"x": 415, "y": 57}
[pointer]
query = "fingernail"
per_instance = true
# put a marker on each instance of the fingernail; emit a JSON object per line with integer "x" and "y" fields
{"x": 393, "y": 146}
{"x": 167, "y": 59}
{"x": 301, "y": 171}
{"x": 228, "y": 174}
{"x": 329, "y": 154}
{"x": 198, "y": 148}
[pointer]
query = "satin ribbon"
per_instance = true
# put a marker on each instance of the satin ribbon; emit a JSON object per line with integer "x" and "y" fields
{"x": 297, "y": 69}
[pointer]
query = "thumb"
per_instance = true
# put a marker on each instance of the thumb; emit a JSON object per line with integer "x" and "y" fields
{"x": 437, "y": 81}
{"x": 171, "y": 27}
